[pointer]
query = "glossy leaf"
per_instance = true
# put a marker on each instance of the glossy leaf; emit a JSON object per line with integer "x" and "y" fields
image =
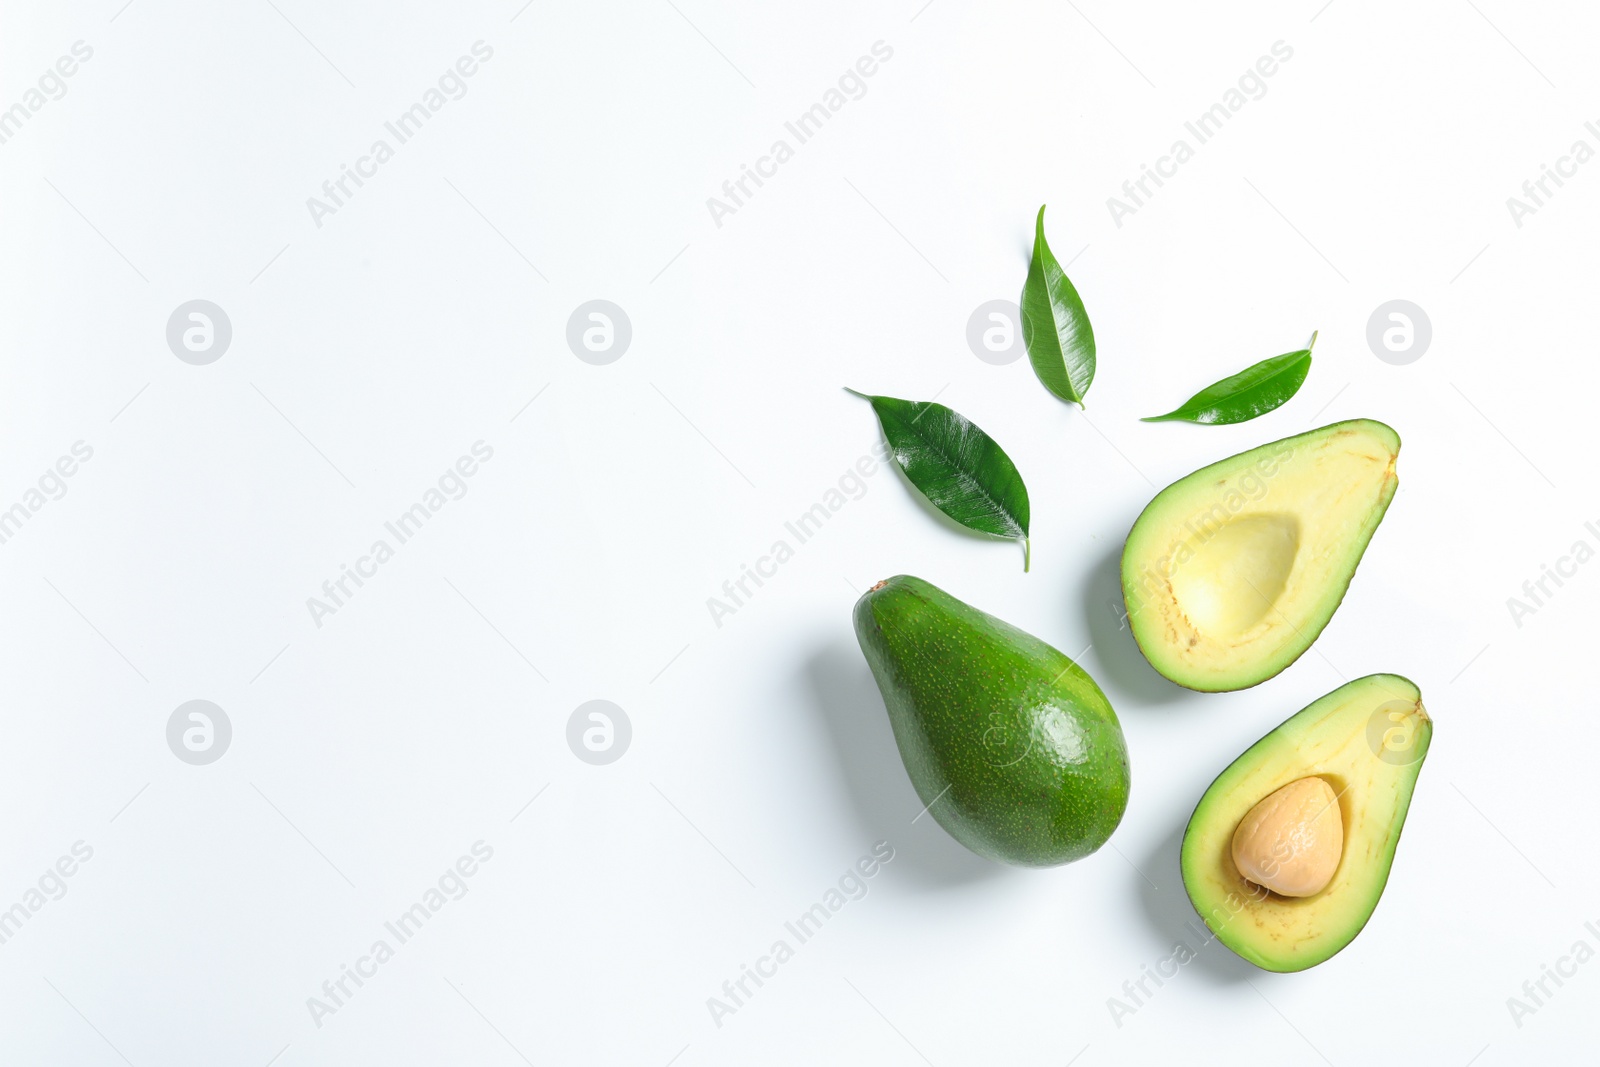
{"x": 1054, "y": 325}
{"x": 1253, "y": 391}
{"x": 958, "y": 467}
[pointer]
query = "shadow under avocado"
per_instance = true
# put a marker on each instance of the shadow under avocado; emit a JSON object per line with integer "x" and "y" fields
{"x": 846, "y": 698}
{"x": 1115, "y": 648}
{"x": 1166, "y": 904}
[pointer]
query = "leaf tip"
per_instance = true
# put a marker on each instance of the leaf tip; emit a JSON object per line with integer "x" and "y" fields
{"x": 854, "y": 392}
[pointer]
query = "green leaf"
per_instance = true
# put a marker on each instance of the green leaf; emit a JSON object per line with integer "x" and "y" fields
{"x": 1054, "y": 325}
{"x": 958, "y": 467}
{"x": 1253, "y": 391}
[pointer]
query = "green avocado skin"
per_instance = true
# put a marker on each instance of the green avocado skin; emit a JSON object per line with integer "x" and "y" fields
{"x": 1012, "y": 746}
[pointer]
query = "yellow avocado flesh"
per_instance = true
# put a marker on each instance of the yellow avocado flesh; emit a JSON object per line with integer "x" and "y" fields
{"x": 1231, "y": 573}
{"x": 1367, "y": 740}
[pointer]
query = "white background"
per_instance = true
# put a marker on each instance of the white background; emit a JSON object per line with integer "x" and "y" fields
{"x": 368, "y": 354}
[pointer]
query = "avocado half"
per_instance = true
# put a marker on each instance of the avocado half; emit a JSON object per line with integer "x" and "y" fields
{"x": 1367, "y": 740}
{"x": 1231, "y": 573}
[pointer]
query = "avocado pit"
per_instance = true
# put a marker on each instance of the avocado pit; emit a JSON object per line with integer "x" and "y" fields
{"x": 1291, "y": 841}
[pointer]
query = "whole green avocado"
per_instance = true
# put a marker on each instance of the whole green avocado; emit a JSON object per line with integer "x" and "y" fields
{"x": 1012, "y": 746}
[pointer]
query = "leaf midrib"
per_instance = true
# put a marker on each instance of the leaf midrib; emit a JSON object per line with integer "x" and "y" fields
{"x": 964, "y": 476}
{"x": 1286, "y": 368}
{"x": 1207, "y": 405}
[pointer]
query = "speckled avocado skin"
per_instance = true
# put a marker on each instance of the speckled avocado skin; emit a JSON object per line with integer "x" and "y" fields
{"x": 1024, "y": 741}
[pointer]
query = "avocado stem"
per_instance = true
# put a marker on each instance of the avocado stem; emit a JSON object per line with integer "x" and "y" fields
{"x": 1313, "y": 343}
{"x": 852, "y": 392}
{"x": 1027, "y": 554}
